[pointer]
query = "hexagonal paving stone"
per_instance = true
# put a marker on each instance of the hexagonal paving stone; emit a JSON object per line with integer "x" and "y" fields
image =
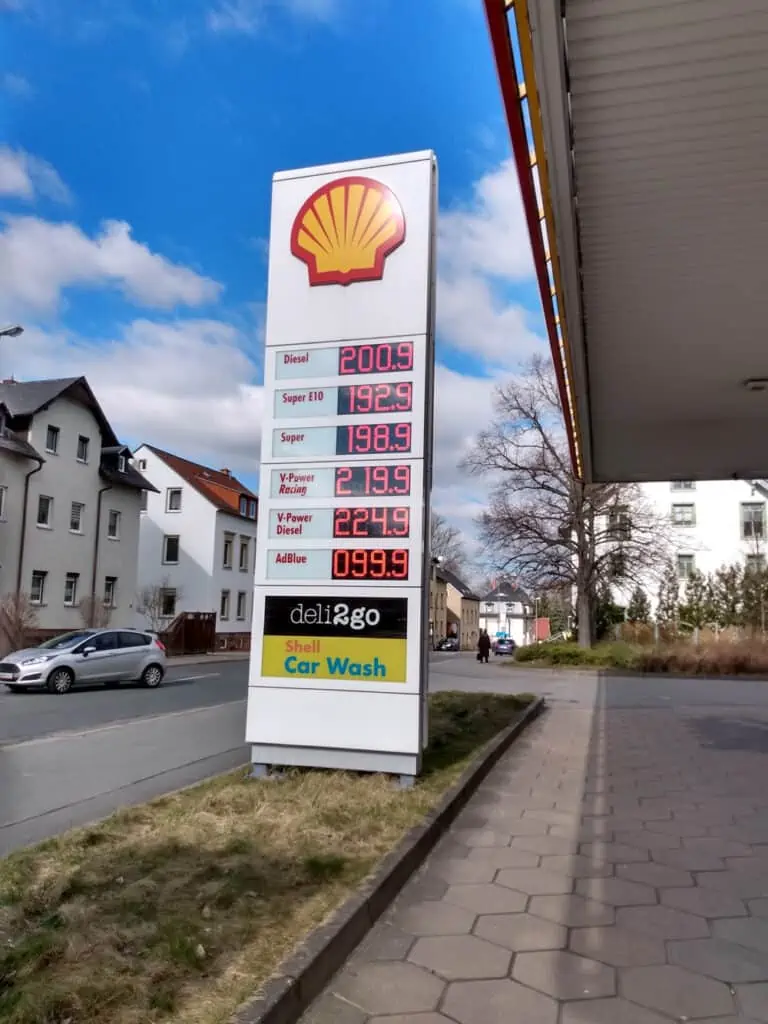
{"x": 751, "y": 932}
{"x": 390, "y": 988}
{"x": 676, "y": 992}
{"x": 616, "y": 853}
{"x": 481, "y": 837}
{"x": 618, "y": 947}
{"x": 705, "y": 902}
{"x": 720, "y": 959}
{"x": 424, "y": 887}
{"x": 410, "y": 1018}
{"x": 616, "y": 891}
{"x": 657, "y": 875}
{"x": 564, "y": 975}
{"x": 534, "y": 881}
{"x": 572, "y": 911}
{"x": 576, "y": 866}
{"x": 494, "y": 1002}
{"x": 486, "y": 899}
{"x": 742, "y": 884}
{"x": 758, "y": 907}
{"x": 456, "y": 957}
{"x": 676, "y": 827}
{"x": 753, "y": 1000}
{"x": 330, "y": 1010}
{"x": 384, "y": 942}
{"x": 717, "y": 847}
{"x": 688, "y": 860}
{"x": 464, "y": 871}
{"x": 609, "y": 1011}
{"x": 433, "y": 917}
{"x": 503, "y": 857}
{"x": 545, "y": 845}
{"x": 642, "y": 839}
{"x": 520, "y": 932}
{"x": 663, "y": 922}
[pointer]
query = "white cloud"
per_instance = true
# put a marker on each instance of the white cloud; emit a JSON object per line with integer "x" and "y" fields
{"x": 194, "y": 390}
{"x": 16, "y": 85}
{"x": 483, "y": 249}
{"x": 39, "y": 259}
{"x": 24, "y": 177}
{"x": 247, "y": 17}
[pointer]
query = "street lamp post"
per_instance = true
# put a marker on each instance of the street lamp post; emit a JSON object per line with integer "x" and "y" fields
{"x": 11, "y": 331}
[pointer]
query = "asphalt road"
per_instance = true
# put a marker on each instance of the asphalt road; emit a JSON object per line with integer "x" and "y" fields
{"x": 72, "y": 759}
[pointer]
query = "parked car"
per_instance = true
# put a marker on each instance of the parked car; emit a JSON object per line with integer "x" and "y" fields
{"x": 87, "y": 656}
{"x": 448, "y": 643}
{"x": 505, "y": 645}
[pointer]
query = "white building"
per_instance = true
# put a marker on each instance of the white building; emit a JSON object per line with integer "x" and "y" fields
{"x": 70, "y": 505}
{"x": 507, "y": 611}
{"x": 713, "y": 522}
{"x": 198, "y": 542}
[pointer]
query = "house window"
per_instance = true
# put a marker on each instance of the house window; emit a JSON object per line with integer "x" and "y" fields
{"x": 37, "y": 590}
{"x": 76, "y": 517}
{"x": 617, "y": 564}
{"x": 755, "y": 563}
{"x": 170, "y": 550}
{"x": 45, "y": 511}
{"x": 753, "y": 520}
{"x": 52, "y": 440}
{"x": 683, "y": 485}
{"x": 70, "y": 589}
{"x": 685, "y": 566}
{"x": 242, "y": 600}
{"x": 243, "y": 554}
{"x": 173, "y": 499}
{"x": 3, "y": 501}
{"x": 82, "y": 448}
{"x": 251, "y": 509}
{"x": 113, "y": 524}
{"x": 619, "y": 524}
{"x": 144, "y": 501}
{"x": 142, "y": 464}
{"x": 684, "y": 515}
{"x": 168, "y": 603}
{"x": 121, "y": 464}
{"x": 224, "y": 605}
{"x": 243, "y": 506}
{"x": 110, "y": 591}
{"x": 229, "y": 543}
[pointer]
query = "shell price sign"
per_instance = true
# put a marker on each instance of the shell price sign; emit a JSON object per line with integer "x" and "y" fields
{"x": 338, "y": 653}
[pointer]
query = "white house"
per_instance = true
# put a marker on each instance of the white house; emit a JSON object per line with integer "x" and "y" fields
{"x": 198, "y": 542}
{"x": 713, "y": 522}
{"x": 70, "y": 504}
{"x": 507, "y": 611}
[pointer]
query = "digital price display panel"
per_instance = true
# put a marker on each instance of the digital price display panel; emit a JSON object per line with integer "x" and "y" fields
{"x": 385, "y": 565}
{"x": 371, "y": 521}
{"x": 349, "y": 439}
{"x": 344, "y": 360}
{"x": 388, "y": 480}
{"x": 375, "y": 399}
{"x": 385, "y": 522}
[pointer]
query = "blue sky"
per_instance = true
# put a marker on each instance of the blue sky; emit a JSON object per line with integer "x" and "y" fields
{"x": 136, "y": 156}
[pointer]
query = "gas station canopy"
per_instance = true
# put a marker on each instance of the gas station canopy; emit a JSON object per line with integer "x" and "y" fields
{"x": 640, "y": 135}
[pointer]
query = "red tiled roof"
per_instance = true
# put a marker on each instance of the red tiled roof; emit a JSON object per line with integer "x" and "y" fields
{"x": 220, "y": 488}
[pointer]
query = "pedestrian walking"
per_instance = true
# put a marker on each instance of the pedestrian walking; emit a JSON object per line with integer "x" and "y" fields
{"x": 483, "y": 646}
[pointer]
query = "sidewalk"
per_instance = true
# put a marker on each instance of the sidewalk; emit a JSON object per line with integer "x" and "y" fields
{"x": 207, "y": 659}
{"x": 612, "y": 869}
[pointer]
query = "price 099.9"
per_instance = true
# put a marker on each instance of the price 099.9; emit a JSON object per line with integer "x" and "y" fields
{"x": 370, "y": 564}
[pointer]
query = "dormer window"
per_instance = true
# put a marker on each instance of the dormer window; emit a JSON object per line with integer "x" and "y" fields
{"x": 121, "y": 464}
{"x": 251, "y": 509}
{"x": 243, "y": 505}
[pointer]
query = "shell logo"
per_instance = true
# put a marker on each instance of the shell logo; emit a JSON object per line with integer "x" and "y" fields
{"x": 346, "y": 230}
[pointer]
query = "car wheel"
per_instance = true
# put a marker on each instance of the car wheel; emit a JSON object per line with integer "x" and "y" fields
{"x": 152, "y": 676}
{"x": 60, "y": 680}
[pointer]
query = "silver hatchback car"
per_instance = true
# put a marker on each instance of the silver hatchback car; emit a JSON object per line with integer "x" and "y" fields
{"x": 87, "y": 656}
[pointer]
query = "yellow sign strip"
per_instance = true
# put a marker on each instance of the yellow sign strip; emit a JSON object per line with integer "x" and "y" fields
{"x": 351, "y": 659}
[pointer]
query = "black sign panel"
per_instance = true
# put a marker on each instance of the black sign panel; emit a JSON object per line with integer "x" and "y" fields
{"x": 370, "y": 617}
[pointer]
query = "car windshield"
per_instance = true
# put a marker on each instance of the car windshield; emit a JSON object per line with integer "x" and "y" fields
{"x": 64, "y": 640}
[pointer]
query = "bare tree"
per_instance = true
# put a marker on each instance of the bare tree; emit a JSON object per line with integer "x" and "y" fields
{"x": 446, "y": 543}
{"x": 18, "y": 618}
{"x": 94, "y": 612}
{"x": 542, "y": 523}
{"x": 153, "y": 602}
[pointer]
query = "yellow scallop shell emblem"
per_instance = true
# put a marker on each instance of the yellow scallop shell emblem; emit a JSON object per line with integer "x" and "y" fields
{"x": 346, "y": 230}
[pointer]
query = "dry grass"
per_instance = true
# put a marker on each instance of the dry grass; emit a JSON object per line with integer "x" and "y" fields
{"x": 180, "y": 909}
{"x": 717, "y": 658}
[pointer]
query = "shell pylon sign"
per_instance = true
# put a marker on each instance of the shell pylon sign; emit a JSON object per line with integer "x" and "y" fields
{"x": 345, "y": 231}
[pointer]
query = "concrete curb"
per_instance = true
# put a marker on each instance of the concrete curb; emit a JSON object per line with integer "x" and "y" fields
{"x": 180, "y": 660}
{"x": 305, "y": 974}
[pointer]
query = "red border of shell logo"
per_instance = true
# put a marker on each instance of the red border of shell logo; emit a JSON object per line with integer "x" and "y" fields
{"x": 346, "y": 230}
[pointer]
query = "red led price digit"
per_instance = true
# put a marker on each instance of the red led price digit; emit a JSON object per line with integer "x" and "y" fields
{"x": 359, "y": 522}
{"x": 402, "y": 479}
{"x": 343, "y": 481}
{"x": 342, "y": 522}
{"x": 402, "y": 436}
{"x": 400, "y": 522}
{"x": 380, "y": 480}
{"x": 347, "y": 359}
{"x": 404, "y": 355}
{"x": 399, "y": 563}
{"x": 403, "y": 397}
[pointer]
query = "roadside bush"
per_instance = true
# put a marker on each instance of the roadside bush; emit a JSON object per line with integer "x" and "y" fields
{"x": 749, "y": 657}
{"x": 616, "y": 654}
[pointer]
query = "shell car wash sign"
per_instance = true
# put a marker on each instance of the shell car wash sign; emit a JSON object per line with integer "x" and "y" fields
{"x": 338, "y": 653}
